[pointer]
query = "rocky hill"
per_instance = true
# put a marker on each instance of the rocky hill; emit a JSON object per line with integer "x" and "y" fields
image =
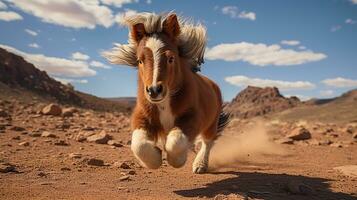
{"x": 255, "y": 101}
{"x": 18, "y": 74}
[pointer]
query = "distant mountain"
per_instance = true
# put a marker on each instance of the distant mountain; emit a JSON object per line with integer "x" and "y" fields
{"x": 255, "y": 101}
{"x": 342, "y": 109}
{"x": 15, "y": 72}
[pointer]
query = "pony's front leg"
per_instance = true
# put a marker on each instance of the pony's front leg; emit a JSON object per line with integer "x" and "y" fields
{"x": 176, "y": 147}
{"x": 145, "y": 150}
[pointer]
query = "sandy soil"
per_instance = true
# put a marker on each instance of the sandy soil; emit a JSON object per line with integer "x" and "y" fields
{"x": 46, "y": 170}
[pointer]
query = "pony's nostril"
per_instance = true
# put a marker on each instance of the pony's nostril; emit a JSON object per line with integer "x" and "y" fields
{"x": 159, "y": 89}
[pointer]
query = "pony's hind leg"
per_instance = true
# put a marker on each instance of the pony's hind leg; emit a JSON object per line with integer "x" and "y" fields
{"x": 176, "y": 147}
{"x": 145, "y": 150}
{"x": 200, "y": 164}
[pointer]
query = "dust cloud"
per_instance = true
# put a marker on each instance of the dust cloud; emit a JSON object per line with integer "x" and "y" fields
{"x": 251, "y": 146}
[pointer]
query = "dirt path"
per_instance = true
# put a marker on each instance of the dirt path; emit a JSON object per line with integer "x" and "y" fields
{"x": 47, "y": 169}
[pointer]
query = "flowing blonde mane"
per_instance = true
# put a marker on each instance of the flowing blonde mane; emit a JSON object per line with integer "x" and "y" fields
{"x": 191, "y": 41}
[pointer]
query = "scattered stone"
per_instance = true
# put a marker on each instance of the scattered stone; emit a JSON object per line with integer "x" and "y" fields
{"x": 101, "y": 138}
{"x": 325, "y": 142}
{"x": 68, "y": 112}
{"x": 17, "y": 128}
{"x": 52, "y": 109}
{"x": 48, "y": 134}
{"x": 348, "y": 170}
{"x": 6, "y": 168}
{"x": 337, "y": 144}
{"x": 122, "y": 165}
{"x": 299, "y": 133}
{"x": 82, "y": 136}
{"x": 285, "y": 141}
{"x": 75, "y": 155}
{"x": 95, "y": 162}
{"x": 3, "y": 113}
{"x": 230, "y": 197}
{"x": 35, "y": 134}
{"x": 16, "y": 138}
{"x": 61, "y": 143}
{"x": 65, "y": 169}
{"x": 297, "y": 187}
{"x": 114, "y": 143}
{"x": 25, "y": 144}
{"x": 124, "y": 178}
{"x": 41, "y": 174}
{"x": 132, "y": 172}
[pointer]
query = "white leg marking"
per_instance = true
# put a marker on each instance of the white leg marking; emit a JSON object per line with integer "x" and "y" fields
{"x": 200, "y": 164}
{"x": 155, "y": 45}
{"x": 145, "y": 150}
{"x": 176, "y": 148}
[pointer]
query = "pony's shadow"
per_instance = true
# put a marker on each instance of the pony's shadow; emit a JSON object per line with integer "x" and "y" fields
{"x": 265, "y": 186}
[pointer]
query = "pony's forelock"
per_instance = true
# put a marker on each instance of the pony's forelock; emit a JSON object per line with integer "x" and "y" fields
{"x": 191, "y": 41}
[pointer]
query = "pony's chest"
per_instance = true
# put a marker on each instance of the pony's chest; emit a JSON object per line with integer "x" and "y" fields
{"x": 167, "y": 119}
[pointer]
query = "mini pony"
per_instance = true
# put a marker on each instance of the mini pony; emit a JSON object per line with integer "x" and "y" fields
{"x": 174, "y": 105}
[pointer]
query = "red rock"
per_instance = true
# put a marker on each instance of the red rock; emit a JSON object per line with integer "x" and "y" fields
{"x": 52, "y": 109}
{"x": 101, "y": 138}
{"x": 299, "y": 133}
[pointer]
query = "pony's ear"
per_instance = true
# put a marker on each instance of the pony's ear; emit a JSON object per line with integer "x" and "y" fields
{"x": 138, "y": 32}
{"x": 171, "y": 26}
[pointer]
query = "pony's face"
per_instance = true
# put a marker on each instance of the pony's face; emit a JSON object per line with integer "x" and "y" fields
{"x": 158, "y": 59}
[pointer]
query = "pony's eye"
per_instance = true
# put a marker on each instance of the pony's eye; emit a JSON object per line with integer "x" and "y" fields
{"x": 140, "y": 62}
{"x": 171, "y": 59}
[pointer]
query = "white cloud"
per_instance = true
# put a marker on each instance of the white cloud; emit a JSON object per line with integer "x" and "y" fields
{"x": 302, "y": 47}
{"x": 31, "y": 32}
{"x": 69, "y": 13}
{"x": 247, "y": 15}
{"x": 290, "y": 42}
{"x": 79, "y": 56}
{"x": 3, "y": 6}
{"x": 335, "y": 28}
{"x": 350, "y": 21}
{"x": 326, "y": 93}
{"x": 34, "y": 45}
{"x": 118, "y": 3}
{"x": 234, "y": 13}
{"x": 54, "y": 65}
{"x": 353, "y": 1}
{"x": 69, "y": 80}
{"x": 99, "y": 65}
{"x": 261, "y": 54}
{"x": 119, "y": 18}
{"x": 9, "y": 16}
{"x": 148, "y": 1}
{"x": 243, "y": 81}
{"x": 340, "y": 82}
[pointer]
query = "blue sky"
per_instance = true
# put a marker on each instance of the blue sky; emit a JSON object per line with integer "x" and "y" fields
{"x": 305, "y": 48}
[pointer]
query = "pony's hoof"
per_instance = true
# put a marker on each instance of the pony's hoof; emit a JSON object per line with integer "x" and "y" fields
{"x": 200, "y": 170}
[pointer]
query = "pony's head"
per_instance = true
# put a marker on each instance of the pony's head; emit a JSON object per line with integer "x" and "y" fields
{"x": 157, "y": 45}
{"x": 158, "y": 58}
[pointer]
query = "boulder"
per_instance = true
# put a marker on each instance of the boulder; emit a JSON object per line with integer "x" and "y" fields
{"x": 52, "y": 109}
{"x": 95, "y": 162}
{"x": 299, "y": 133}
{"x": 68, "y": 112}
{"x": 101, "y": 138}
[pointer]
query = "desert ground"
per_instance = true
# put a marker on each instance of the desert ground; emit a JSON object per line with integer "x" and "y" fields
{"x": 85, "y": 154}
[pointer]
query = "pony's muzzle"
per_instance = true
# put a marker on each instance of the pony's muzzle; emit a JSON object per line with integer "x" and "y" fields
{"x": 155, "y": 92}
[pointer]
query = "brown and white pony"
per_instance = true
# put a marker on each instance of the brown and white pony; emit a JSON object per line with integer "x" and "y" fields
{"x": 174, "y": 104}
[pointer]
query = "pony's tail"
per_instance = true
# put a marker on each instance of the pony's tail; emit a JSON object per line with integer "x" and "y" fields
{"x": 223, "y": 121}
